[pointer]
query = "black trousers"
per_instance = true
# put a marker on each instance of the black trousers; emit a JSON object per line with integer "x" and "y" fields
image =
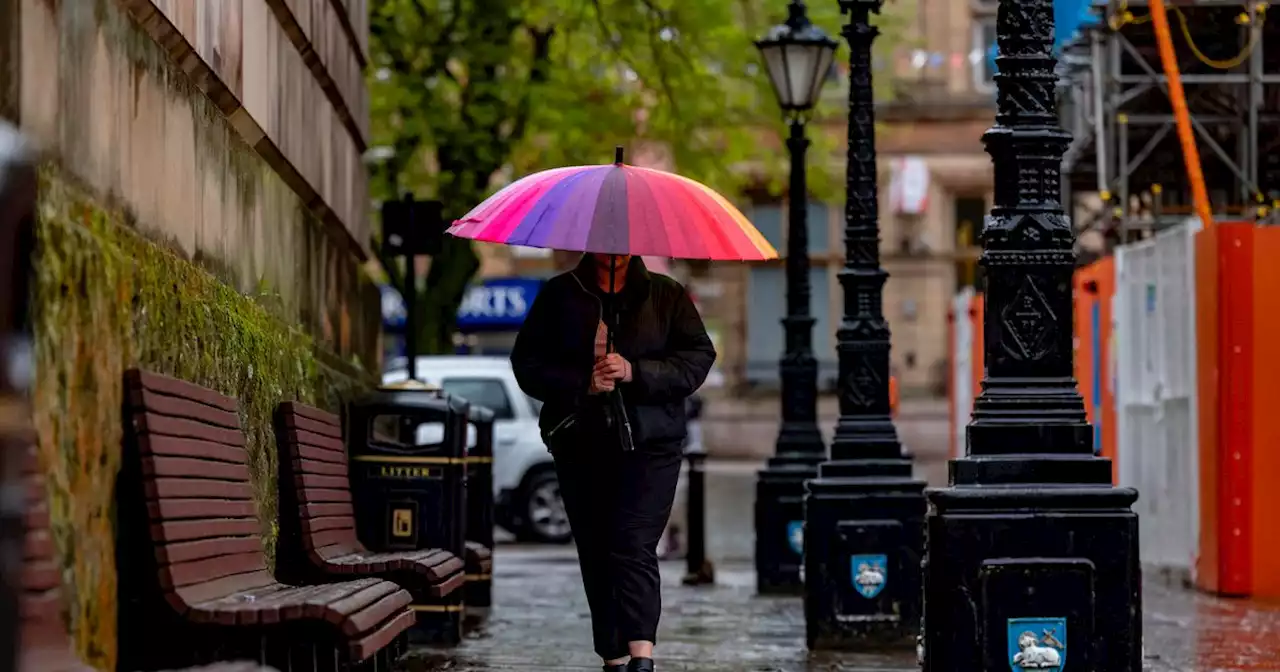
{"x": 618, "y": 505}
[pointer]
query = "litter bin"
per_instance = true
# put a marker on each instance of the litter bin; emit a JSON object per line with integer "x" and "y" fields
{"x": 407, "y": 446}
{"x": 479, "y": 588}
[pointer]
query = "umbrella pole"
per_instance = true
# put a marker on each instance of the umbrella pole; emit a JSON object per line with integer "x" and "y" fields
{"x": 613, "y": 304}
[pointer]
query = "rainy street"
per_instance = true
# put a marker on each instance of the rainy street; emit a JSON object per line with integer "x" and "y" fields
{"x": 540, "y": 618}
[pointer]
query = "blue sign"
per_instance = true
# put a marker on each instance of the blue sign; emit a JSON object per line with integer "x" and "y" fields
{"x": 493, "y": 304}
{"x": 497, "y": 303}
{"x": 869, "y": 573}
{"x": 1038, "y": 644}
{"x": 393, "y": 314}
{"x": 795, "y": 536}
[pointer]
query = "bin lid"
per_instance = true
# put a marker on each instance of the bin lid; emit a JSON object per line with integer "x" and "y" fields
{"x": 410, "y": 385}
{"x": 407, "y": 400}
{"x": 480, "y": 414}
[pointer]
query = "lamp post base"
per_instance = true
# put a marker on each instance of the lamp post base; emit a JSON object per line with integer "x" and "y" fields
{"x": 1046, "y": 572}
{"x": 779, "y": 520}
{"x": 865, "y": 524}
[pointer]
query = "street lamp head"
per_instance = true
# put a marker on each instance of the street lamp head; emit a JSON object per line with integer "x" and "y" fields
{"x": 798, "y": 56}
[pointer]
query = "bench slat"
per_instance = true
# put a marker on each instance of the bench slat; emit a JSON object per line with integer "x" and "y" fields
{"x": 201, "y": 549}
{"x": 159, "y": 444}
{"x": 316, "y": 426}
{"x": 189, "y": 466}
{"x": 329, "y": 523}
{"x": 321, "y": 468}
{"x": 328, "y": 495}
{"x": 152, "y": 423}
{"x": 224, "y": 586}
{"x": 312, "y": 440}
{"x": 320, "y": 509}
{"x": 178, "y": 509}
{"x": 160, "y": 383}
{"x": 167, "y": 532}
{"x": 318, "y": 481}
{"x": 297, "y": 408}
{"x": 365, "y": 647}
{"x": 330, "y": 537}
{"x": 195, "y": 572}
{"x": 162, "y": 488}
{"x": 179, "y": 407}
{"x": 387, "y": 598}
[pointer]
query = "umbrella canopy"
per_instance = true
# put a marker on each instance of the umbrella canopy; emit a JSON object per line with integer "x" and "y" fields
{"x": 616, "y": 209}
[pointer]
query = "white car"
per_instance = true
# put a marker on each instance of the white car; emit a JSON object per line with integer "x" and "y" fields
{"x": 525, "y": 489}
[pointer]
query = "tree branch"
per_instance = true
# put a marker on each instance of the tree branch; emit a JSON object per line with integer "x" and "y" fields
{"x": 538, "y": 74}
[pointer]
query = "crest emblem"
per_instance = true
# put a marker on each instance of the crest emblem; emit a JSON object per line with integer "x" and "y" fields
{"x": 795, "y": 536}
{"x": 1037, "y": 644}
{"x": 869, "y": 573}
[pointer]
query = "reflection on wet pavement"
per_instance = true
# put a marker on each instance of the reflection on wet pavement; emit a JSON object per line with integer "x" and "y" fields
{"x": 540, "y": 622}
{"x": 1190, "y": 632}
{"x": 540, "y": 619}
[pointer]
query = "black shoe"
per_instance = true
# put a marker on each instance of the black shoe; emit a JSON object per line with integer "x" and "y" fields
{"x": 621, "y": 667}
{"x": 640, "y": 665}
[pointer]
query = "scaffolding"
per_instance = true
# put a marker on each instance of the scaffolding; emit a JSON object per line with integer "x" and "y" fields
{"x": 1124, "y": 172}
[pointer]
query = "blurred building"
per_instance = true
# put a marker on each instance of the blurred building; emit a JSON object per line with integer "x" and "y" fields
{"x": 935, "y": 188}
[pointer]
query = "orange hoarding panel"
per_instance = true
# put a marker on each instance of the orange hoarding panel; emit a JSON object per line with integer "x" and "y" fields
{"x": 1094, "y": 287}
{"x": 1265, "y": 457}
{"x": 1237, "y": 304}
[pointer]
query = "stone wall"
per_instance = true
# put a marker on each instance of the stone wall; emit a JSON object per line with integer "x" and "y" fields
{"x": 202, "y": 213}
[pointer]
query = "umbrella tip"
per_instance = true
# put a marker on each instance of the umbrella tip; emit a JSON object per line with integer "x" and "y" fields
{"x": 617, "y": 154}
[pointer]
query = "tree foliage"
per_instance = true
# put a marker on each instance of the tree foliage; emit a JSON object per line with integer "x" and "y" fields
{"x": 469, "y": 93}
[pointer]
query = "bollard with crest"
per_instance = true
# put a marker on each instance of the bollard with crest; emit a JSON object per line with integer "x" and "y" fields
{"x": 1033, "y": 554}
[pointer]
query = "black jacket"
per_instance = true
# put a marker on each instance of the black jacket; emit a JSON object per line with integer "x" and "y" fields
{"x": 659, "y": 332}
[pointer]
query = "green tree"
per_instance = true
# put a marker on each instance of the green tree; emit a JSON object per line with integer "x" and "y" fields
{"x": 467, "y": 93}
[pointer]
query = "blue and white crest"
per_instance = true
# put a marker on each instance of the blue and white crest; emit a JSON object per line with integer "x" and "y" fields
{"x": 795, "y": 536}
{"x": 869, "y": 573}
{"x": 1038, "y": 644}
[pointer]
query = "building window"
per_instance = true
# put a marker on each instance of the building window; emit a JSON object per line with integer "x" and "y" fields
{"x": 767, "y": 218}
{"x": 767, "y": 305}
{"x": 984, "y": 37}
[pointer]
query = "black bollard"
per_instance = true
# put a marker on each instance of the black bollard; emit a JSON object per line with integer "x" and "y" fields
{"x": 699, "y": 570}
{"x": 1033, "y": 555}
{"x": 864, "y": 513}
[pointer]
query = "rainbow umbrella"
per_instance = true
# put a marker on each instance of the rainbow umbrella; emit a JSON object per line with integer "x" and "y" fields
{"x": 616, "y": 209}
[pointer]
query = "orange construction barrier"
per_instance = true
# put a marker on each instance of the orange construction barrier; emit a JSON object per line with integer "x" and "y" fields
{"x": 1094, "y": 285}
{"x": 1238, "y": 323}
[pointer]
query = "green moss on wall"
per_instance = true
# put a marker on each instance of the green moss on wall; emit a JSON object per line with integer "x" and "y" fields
{"x": 106, "y": 300}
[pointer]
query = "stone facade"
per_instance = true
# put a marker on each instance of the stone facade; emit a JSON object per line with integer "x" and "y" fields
{"x": 203, "y": 213}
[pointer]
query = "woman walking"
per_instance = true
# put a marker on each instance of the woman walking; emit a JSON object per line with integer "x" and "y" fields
{"x": 618, "y": 500}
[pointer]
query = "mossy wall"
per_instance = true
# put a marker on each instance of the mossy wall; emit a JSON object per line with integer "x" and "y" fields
{"x": 108, "y": 299}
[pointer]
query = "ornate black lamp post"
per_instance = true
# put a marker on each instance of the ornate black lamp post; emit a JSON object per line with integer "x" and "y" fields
{"x": 1033, "y": 555}
{"x": 864, "y": 514}
{"x": 798, "y": 56}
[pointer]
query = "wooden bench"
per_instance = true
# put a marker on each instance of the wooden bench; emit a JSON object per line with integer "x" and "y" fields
{"x": 202, "y": 589}
{"x": 318, "y": 530}
{"x": 479, "y": 546}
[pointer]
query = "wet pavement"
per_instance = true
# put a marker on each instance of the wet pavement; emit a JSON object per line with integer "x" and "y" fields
{"x": 540, "y": 622}
{"x": 540, "y": 619}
